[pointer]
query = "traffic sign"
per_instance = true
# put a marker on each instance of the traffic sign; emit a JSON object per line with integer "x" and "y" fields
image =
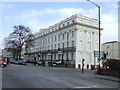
{"x": 96, "y": 54}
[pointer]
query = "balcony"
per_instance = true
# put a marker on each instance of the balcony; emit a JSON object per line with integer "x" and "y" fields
{"x": 68, "y": 49}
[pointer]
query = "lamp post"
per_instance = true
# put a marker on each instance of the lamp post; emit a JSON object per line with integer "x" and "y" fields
{"x": 98, "y": 28}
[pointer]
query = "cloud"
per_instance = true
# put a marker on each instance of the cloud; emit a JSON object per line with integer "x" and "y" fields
{"x": 5, "y": 5}
{"x": 115, "y": 5}
{"x": 44, "y": 18}
{"x": 110, "y": 25}
{"x": 37, "y": 19}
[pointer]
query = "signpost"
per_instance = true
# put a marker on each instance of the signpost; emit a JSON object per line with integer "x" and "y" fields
{"x": 96, "y": 54}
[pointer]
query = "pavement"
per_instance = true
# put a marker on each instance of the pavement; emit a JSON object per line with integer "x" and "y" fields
{"x": 90, "y": 73}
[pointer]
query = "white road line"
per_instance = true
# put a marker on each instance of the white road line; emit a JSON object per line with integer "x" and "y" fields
{"x": 87, "y": 87}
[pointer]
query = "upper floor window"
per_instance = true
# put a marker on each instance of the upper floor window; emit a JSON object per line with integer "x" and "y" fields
{"x": 51, "y": 46}
{"x": 48, "y": 47}
{"x": 68, "y": 23}
{"x": 55, "y": 46}
{"x": 59, "y": 27}
{"x": 45, "y": 47}
{"x": 52, "y": 39}
{"x": 67, "y": 35}
{"x": 58, "y": 37}
{"x": 62, "y": 45}
{"x": 72, "y": 33}
{"x": 107, "y": 47}
{"x": 58, "y": 46}
{"x": 48, "y": 40}
{"x": 73, "y": 21}
{"x": 63, "y": 36}
{"x": 55, "y": 38}
{"x": 72, "y": 43}
{"x": 67, "y": 44}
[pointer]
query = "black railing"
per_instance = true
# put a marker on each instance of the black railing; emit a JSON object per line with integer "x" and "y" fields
{"x": 66, "y": 49}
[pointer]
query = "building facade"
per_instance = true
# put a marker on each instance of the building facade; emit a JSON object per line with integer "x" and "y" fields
{"x": 69, "y": 41}
{"x": 112, "y": 49}
{"x": 6, "y": 54}
{"x": 0, "y": 55}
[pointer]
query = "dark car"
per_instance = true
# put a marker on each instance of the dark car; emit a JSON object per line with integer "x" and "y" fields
{"x": 3, "y": 64}
{"x": 22, "y": 62}
{"x": 38, "y": 63}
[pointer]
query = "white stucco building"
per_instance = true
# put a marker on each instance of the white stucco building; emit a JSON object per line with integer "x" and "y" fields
{"x": 112, "y": 49}
{"x": 6, "y": 54}
{"x": 0, "y": 55}
{"x": 70, "y": 41}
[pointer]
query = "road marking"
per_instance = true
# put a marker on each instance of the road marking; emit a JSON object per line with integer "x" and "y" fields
{"x": 87, "y": 87}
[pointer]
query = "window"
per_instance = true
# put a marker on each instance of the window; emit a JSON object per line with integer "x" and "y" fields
{"x": 40, "y": 48}
{"x": 62, "y": 45}
{"x": 48, "y": 40}
{"x": 45, "y": 47}
{"x": 43, "y": 41}
{"x": 67, "y": 56}
{"x": 51, "y": 46}
{"x": 59, "y": 38}
{"x": 67, "y": 23}
{"x": 52, "y": 39}
{"x": 72, "y": 33}
{"x": 55, "y": 46}
{"x": 58, "y": 46}
{"x": 63, "y": 25}
{"x": 55, "y": 56}
{"x": 58, "y": 56}
{"x": 48, "y": 47}
{"x": 55, "y": 38}
{"x": 72, "y": 43}
{"x": 59, "y": 27}
{"x": 67, "y": 35}
{"x": 63, "y": 36}
{"x": 73, "y": 21}
{"x": 67, "y": 44}
{"x": 72, "y": 55}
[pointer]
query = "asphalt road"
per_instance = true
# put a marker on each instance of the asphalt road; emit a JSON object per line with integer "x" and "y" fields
{"x": 18, "y": 76}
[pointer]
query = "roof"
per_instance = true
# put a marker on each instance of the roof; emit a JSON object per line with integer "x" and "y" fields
{"x": 111, "y": 42}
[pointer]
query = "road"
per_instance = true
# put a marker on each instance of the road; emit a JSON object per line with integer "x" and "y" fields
{"x": 19, "y": 76}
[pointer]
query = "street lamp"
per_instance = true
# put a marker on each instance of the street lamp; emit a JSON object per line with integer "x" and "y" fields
{"x": 98, "y": 28}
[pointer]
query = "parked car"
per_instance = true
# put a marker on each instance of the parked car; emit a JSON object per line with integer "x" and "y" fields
{"x": 3, "y": 64}
{"x": 11, "y": 61}
{"x": 95, "y": 67}
{"x": 22, "y": 62}
{"x": 38, "y": 63}
{"x": 57, "y": 63}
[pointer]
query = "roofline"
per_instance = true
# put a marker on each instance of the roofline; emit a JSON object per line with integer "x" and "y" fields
{"x": 111, "y": 42}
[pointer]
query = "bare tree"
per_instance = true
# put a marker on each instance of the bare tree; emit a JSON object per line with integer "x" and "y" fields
{"x": 19, "y": 38}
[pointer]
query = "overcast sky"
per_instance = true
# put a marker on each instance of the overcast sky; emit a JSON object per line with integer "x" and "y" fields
{"x": 38, "y": 15}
